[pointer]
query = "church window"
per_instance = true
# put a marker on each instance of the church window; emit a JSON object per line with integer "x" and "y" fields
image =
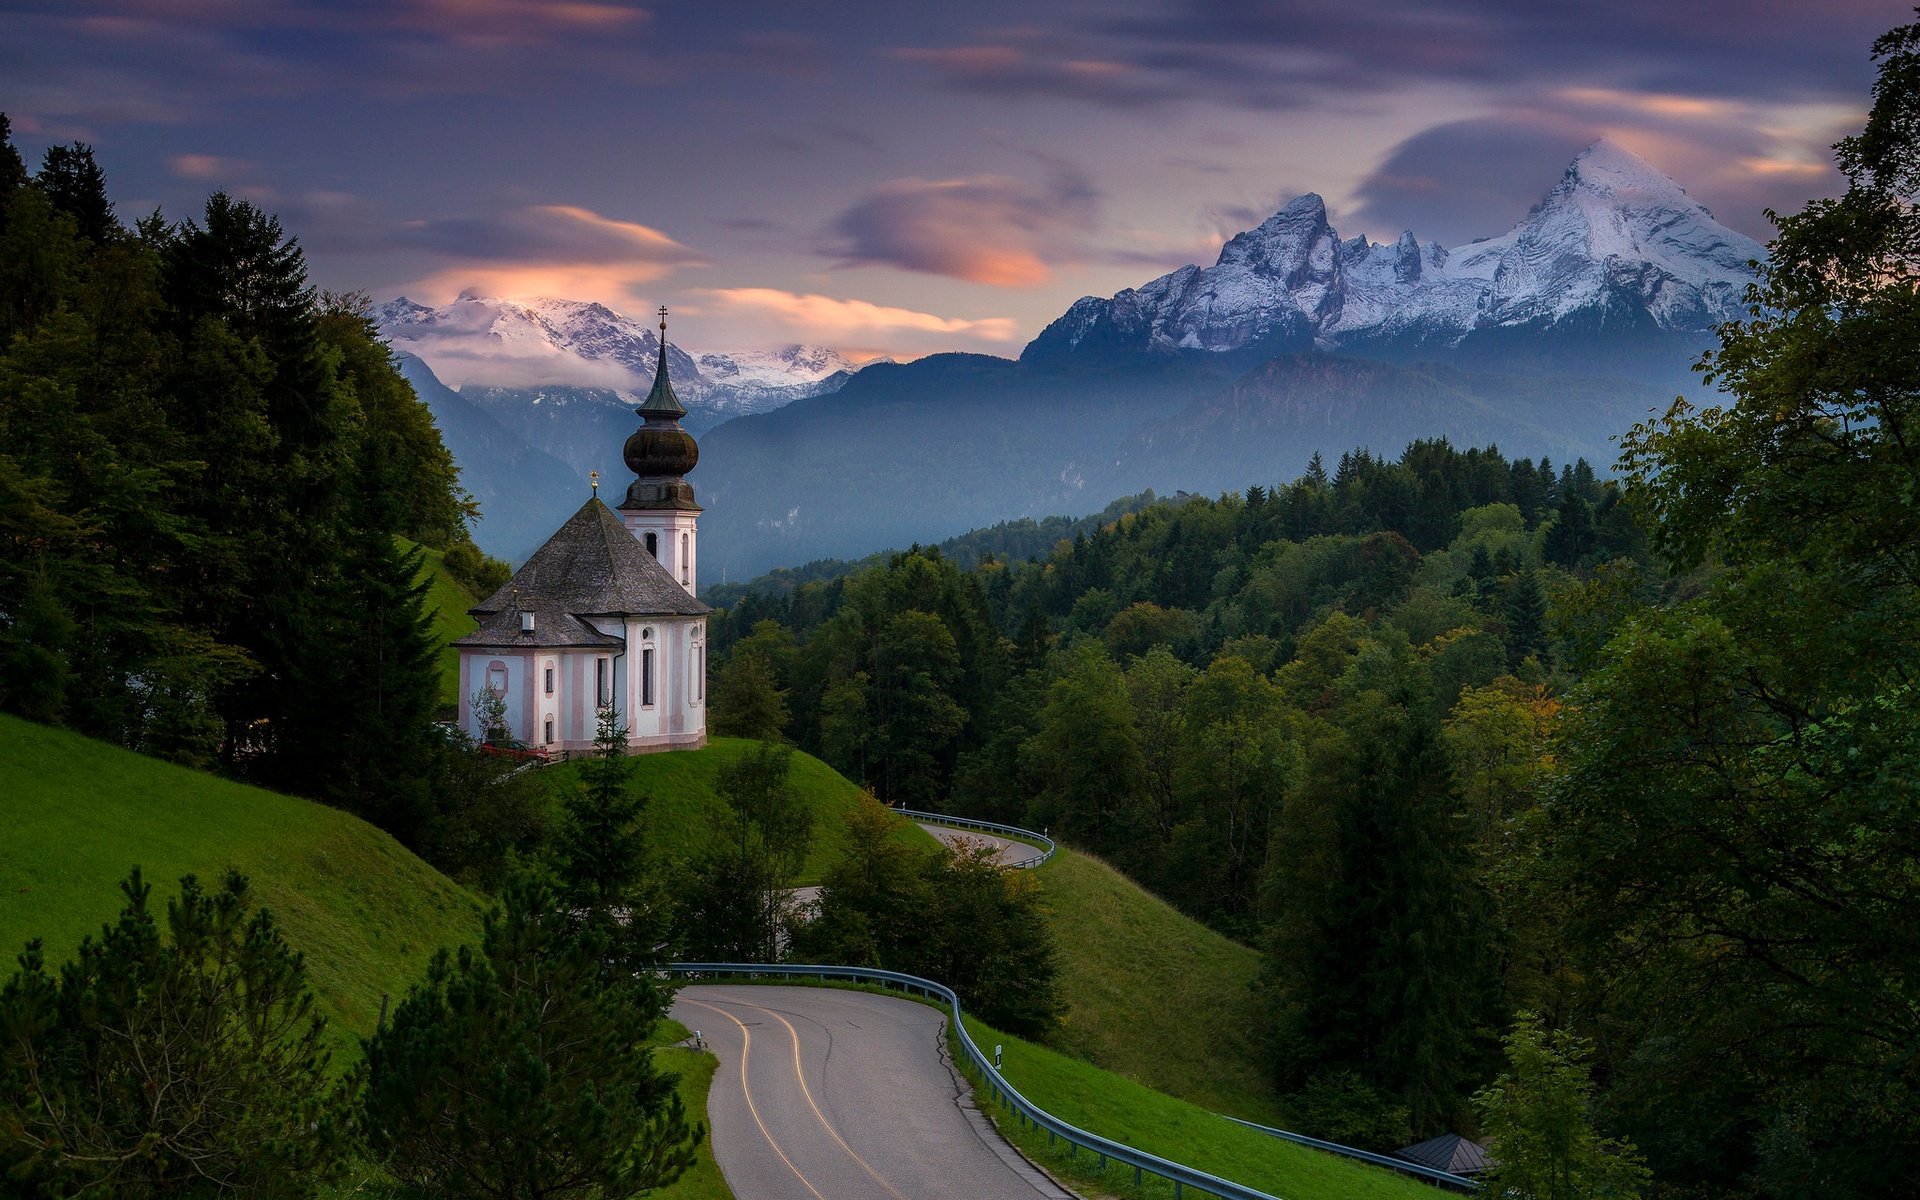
{"x": 653, "y": 545}
{"x": 549, "y": 731}
{"x": 549, "y": 679}
{"x": 602, "y": 690}
{"x": 684, "y": 556}
{"x": 646, "y": 676}
{"x": 497, "y": 680}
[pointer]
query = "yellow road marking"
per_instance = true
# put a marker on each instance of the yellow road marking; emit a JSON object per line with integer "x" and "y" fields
{"x": 746, "y": 1048}
{"x": 825, "y": 1124}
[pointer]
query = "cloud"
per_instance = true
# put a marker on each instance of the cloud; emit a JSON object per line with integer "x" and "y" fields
{"x": 1005, "y": 69}
{"x": 1475, "y": 178}
{"x": 1286, "y": 55}
{"x": 464, "y": 21}
{"x": 209, "y": 167}
{"x": 541, "y": 250}
{"x": 853, "y": 325}
{"x": 1467, "y": 179}
{"x": 989, "y": 229}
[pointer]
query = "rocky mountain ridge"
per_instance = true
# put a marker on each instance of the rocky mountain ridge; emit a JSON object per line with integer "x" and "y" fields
{"x": 547, "y": 348}
{"x": 1614, "y": 242}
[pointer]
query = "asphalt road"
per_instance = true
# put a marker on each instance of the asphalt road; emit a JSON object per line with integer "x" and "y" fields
{"x": 835, "y": 1095}
{"x": 1006, "y": 851}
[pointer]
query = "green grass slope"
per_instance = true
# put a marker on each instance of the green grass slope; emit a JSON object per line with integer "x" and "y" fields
{"x": 1124, "y": 1111}
{"x": 684, "y": 804}
{"x": 448, "y": 601}
{"x": 1154, "y": 995}
{"x": 77, "y": 814}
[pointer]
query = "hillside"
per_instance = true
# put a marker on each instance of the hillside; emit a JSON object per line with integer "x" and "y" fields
{"x": 448, "y": 600}
{"x": 1154, "y": 995}
{"x": 78, "y": 814}
{"x": 1123, "y": 1110}
{"x": 684, "y": 803}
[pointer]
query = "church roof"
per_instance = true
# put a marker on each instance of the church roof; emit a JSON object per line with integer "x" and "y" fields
{"x": 552, "y": 628}
{"x": 591, "y": 565}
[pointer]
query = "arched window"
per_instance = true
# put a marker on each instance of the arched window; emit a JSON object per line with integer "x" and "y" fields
{"x": 684, "y": 556}
{"x": 653, "y": 544}
{"x": 646, "y": 677}
{"x": 549, "y": 731}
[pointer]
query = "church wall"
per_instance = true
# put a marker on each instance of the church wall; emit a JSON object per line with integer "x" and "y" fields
{"x": 676, "y": 540}
{"x": 510, "y": 674}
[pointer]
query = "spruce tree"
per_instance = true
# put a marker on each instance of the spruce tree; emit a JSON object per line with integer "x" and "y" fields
{"x": 74, "y": 182}
{"x": 523, "y": 1070}
{"x": 601, "y": 861}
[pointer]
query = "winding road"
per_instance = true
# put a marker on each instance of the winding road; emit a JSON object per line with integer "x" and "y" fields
{"x": 825, "y": 1094}
{"x": 1006, "y": 851}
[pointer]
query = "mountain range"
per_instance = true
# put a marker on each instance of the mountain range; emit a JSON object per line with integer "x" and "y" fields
{"x": 1550, "y": 339}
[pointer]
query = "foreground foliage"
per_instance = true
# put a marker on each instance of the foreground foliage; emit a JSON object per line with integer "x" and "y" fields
{"x": 952, "y": 915}
{"x": 186, "y": 1065}
{"x": 522, "y": 1070}
{"x": 202, "y": 464}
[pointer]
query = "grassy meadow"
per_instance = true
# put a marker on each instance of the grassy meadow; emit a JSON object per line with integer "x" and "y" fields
{"x": 1154, "y": 995}
{"x": 78, "y": 814}
{"x": 684, "y": 802}
{"x": 1123, "y": 1110}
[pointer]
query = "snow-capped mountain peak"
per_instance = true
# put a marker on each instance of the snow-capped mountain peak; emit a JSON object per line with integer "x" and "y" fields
{"x": 548, "y": 343}
{"x": 1613, "y": 240}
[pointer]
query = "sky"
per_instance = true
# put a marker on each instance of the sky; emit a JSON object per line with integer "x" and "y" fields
{"x": 898, "y": 177}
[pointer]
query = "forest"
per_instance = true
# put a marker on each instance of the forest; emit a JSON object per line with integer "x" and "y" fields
{"x": 1474, "y": 749}
{"x": 1495, "y": 762}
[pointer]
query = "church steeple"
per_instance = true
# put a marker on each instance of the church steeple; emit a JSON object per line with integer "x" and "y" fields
{"x": 660, "y": 510}
{"x": 660, "y": 452}
{"x": 661, "y": 400}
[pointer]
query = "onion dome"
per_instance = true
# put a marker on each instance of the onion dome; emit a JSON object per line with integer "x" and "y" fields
{"x": 660, "y": 447}
{"x": 660, "y": 452}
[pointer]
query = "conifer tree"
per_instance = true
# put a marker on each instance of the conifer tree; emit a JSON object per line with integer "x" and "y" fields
{"x": 602, "y": 866}
{"x": 74, "y": 182}
{"x": 183, "y": 1062}
{"x": 522, "y": 1070}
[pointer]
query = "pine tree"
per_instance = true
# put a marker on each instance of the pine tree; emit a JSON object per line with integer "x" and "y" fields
{"x": 523, "y": 1070}
{"x": 74, "y": 182}
{"x": 747, "y": 699}
{"x": 1526, "y": 618}
{"x": 185, "y": 1064}
{"x": 601, "y": 863}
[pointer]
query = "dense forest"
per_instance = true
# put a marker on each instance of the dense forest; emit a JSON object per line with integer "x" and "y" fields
{"x": 1474, "y": 749}
{"x": 203, "y": 464}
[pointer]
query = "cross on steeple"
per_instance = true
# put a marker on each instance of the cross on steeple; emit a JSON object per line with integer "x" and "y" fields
{"x": 594, "y": 478}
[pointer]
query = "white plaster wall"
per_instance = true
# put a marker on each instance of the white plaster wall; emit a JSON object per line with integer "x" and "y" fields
{"x": 519, "y": 692}
{"x": 669, "y": 525}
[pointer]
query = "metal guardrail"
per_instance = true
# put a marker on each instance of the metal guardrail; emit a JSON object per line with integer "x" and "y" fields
{"x": 1430, "y": 1174}
{"x": 1179, "y": 1174}
{"x": 1044, "y": 843}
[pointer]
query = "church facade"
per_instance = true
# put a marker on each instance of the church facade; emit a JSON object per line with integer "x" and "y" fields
{"x": 604, "y": 612}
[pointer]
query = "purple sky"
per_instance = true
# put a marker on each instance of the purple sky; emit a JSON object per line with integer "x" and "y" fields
{"x": 901, "y": 177}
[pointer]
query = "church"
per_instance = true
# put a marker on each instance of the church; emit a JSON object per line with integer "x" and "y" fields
{"x": 604, "y": 612}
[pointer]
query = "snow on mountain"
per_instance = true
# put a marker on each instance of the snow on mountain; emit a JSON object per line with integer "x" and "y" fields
{"x": 1614, "y": 238}
{"x": 550, "y": 348}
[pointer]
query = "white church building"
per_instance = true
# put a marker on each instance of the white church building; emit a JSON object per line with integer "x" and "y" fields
{"x": 604, "y": 612}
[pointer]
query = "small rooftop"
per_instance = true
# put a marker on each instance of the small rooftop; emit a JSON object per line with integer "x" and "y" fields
{"x": 591, "y": 566}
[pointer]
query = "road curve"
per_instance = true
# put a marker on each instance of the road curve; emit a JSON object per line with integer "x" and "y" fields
{"x": 825, "y": 1094}
{"x": 1006, "y": 851}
